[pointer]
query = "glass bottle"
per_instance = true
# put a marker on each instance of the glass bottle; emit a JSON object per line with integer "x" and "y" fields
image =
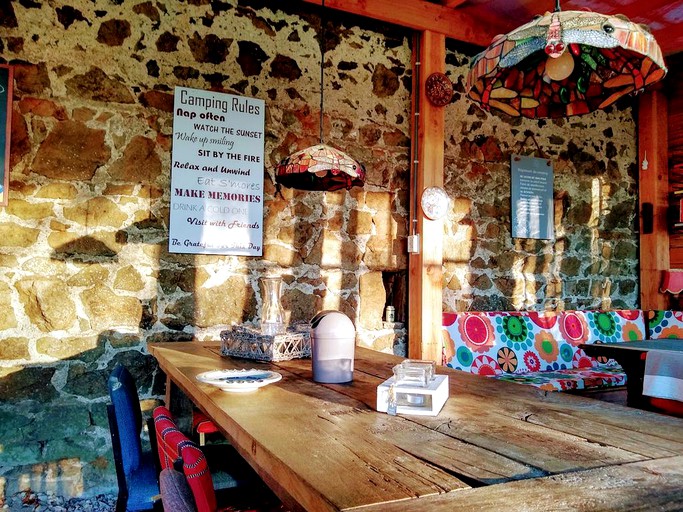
{"x": 272, "y": 314}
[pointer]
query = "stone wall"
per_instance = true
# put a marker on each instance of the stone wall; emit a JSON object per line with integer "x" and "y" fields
{"x": 86, "y": 279}
{"x": 593, "y": 261}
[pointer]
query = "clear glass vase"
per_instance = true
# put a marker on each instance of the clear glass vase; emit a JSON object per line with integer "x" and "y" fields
{"x": 272, "y": 314}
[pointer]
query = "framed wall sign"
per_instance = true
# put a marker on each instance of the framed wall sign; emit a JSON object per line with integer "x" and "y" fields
{"x": 217, "y": 173}
{"x": 6, "y": 82}
{"x": 532, "y": 198}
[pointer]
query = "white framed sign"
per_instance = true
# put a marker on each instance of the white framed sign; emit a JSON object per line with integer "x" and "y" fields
{"x": 216, "y": 173}
{"x": 532, "y": 198}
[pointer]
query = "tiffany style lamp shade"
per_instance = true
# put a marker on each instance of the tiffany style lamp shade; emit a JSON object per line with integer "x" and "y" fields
{"x": 565, "y": 63}
{"x": 320, "y": 167}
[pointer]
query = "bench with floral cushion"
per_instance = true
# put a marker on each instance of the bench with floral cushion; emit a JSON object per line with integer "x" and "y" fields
{"x": 539, "y": 348}
{"x": 664, "y": 324}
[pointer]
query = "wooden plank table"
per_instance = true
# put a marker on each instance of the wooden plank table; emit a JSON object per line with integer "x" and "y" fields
{"x": 630, "y": 356}
{"x": 494, "y": 444}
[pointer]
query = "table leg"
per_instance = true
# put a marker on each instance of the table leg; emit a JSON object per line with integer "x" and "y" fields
{"x": 179, "y": 405}
{"x": 634, "y": 367}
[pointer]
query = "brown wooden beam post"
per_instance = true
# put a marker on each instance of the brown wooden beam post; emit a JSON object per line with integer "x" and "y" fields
{"x": 425, "y": 268}
{"x": 653, "y": 197}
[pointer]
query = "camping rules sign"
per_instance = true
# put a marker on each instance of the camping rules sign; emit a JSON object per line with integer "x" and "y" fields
{"x": 216, "y": 174}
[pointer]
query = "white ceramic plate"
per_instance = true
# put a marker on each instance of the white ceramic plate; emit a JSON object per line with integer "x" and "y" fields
{"x": 239, "y": 380}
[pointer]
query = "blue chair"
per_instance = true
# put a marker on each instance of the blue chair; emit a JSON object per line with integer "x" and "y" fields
{"x": 136, "y": 471}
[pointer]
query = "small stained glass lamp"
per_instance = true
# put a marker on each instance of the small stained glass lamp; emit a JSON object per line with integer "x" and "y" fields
{"x": 320, "y": 167}
{"x": 565, "y": 63}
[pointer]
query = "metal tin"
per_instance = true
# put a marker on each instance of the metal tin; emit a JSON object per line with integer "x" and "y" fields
{"x": 390, "y": 314}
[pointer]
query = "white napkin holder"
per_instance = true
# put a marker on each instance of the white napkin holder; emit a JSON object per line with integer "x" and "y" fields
{"x": 414, "y": 399}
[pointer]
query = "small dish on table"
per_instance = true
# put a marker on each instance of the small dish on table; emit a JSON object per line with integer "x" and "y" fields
{"x": 239, "y": 380}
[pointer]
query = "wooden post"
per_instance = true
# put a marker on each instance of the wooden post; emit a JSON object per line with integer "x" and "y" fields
{"x": 653, "y": 197}
{"x": 425, "y": 268}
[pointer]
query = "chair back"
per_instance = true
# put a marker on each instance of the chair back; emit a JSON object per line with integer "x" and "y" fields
{"x": 176, "y": 495}
{"x": 176, "y": 449}
{"x": 128, "y": 416}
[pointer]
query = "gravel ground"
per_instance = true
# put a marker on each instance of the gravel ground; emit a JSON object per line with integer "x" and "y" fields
{"x": 41, "y": 502}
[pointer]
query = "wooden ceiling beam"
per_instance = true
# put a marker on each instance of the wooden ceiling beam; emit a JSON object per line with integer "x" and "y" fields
{"x": 451, "y": 4}
{"x": 422, "y": 15}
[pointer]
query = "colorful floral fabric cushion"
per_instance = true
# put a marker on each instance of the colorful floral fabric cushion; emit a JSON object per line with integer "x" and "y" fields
{"x": 665, "y": 324}
{"x": 539, "y": 348}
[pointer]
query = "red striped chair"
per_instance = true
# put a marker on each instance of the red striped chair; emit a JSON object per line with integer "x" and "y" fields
{"x": 177, "y": 451}
{"x": 202, "y": 425}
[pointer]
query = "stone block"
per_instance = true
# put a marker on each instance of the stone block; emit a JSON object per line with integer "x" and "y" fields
{"x": 378, "y": 201}
{"x": 223, "y": 304}
{"x": 120, "y": 189}
{"x": 13, "y": 235}
{"x": 384, "y": 252}
{"x": 139, "y": 163}
{"x": 570, "y": 266}
{"x": 15, "y": 425}
{"x": 457, "y": 250}
{"x": 332, "y": 252}
{"x": 29, "y": 211}
{"x": 118, "y": 339}
{"x": 128, "y": 279}
{"x": 171, "y": 280}
{"x": 360, "y": 223}
{"x": 73, "y": 421}
{"x": 385, "y": 343}
{"x": 9, "y": 261}
{"x": 45, "y": 303}
{"x": 101, "y": 244}
{"x": 373, "y": 298}
{"x": 335, "y": 222}
{"x": 19, "y": 453}
{"x": 71, "y": 151}
{"x": 8, "y": 319}
{"x": 96, "y": 212}
{"x": 57, "y": 190}
{"x": 106, "y": 309}
{"x": 83, "y": 348}
{"x": 44, "y": 266}
{"x": 89, "y": 275}
{"x": 282, "y": 256}
{"x": 84, "y": 447}
{"x": 14, "y": 348}
{"x": 26, "y": 383}
{"x": 64, "y": 476}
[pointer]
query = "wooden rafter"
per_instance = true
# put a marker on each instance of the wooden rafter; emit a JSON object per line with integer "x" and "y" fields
{"x": 451, "y": 4}
{"x": 422, "y": 15}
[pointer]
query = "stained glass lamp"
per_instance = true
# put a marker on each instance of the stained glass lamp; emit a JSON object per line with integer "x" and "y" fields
{"x": 320, "y": 167}
{"x": 565, "y": 63}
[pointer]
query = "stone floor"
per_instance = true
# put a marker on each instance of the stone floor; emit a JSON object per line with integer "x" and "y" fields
{"x": 41, "y": 502}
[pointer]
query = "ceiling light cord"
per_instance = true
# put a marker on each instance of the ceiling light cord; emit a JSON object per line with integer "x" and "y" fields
{"x": 322, "y": 64}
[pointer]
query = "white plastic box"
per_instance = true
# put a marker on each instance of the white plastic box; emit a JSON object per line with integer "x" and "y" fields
{"x": 421, "y": 401}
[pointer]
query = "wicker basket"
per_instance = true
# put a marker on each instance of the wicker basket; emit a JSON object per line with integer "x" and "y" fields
{"x": 249, "y": 343}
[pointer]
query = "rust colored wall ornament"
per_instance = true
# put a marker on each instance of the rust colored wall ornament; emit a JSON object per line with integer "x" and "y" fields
{"x": 439, "y": 89}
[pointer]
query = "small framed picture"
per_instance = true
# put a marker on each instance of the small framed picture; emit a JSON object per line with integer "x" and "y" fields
{"x": 6, "y": 82}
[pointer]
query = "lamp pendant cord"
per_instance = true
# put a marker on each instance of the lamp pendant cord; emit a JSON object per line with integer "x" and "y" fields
{"x": 322, "y": 64}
